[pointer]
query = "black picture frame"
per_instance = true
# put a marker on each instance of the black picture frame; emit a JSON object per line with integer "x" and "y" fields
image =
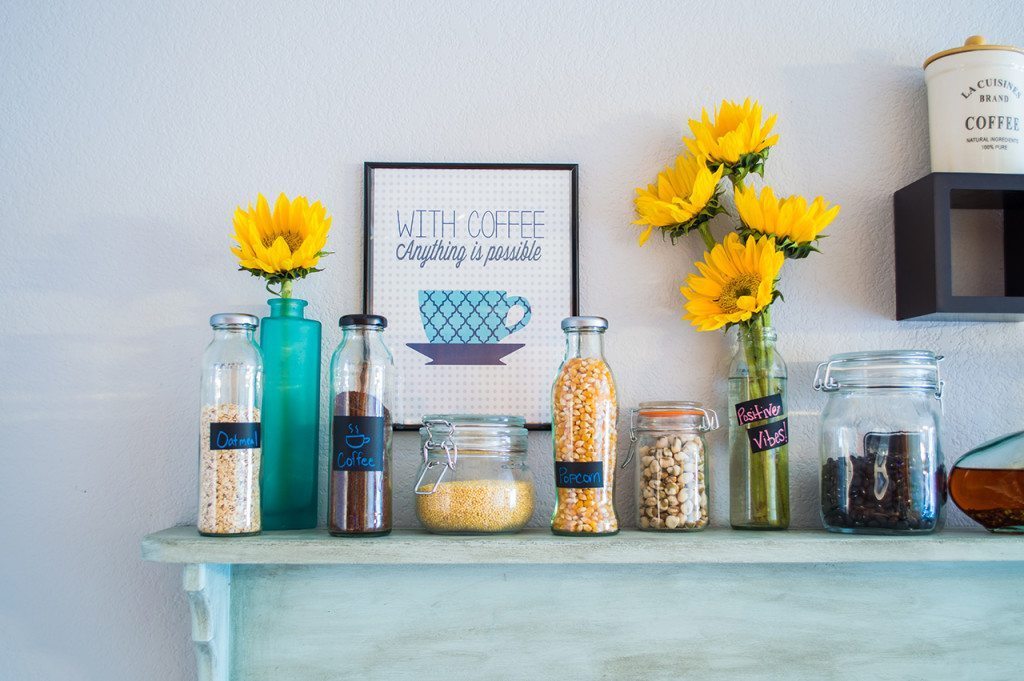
{"x": 368, "y": 184}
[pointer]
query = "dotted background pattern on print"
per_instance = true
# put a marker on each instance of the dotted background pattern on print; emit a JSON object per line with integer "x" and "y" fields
{"x": 522, "y": 385}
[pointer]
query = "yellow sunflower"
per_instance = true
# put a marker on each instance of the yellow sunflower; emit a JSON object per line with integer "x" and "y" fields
{"x": 795, "y": 225}
{"x": 737, "y": 281}
{"x": 284, "y": 245}
{"x": 681, "y": 198}
{"x": 737, "y": 137}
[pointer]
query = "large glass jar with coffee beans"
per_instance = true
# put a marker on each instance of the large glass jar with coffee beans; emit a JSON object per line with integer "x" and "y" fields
{"x": 584, "y": 413}
{"x": 882, "y": 469}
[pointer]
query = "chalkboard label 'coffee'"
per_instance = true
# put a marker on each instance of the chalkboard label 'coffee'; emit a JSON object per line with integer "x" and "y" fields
{"x": 234, "y": 436}
{"x": 358, "y": 443}
{"x": 577, "y": 474}
{"x": 760, "y": 409}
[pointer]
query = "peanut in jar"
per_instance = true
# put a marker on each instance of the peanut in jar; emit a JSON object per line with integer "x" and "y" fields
{"x": 584, "y": 429}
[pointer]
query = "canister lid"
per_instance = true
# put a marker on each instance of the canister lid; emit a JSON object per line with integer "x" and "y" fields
{"x": 972, "y": 44}
{"x": 581, "y": 323}
{"x": 475, "y": 433}
{"x": 673, "y": 415}
{"x": 363, "y": 320}
{"x": 893, "y": 369}
{"x": 234, "y": 319}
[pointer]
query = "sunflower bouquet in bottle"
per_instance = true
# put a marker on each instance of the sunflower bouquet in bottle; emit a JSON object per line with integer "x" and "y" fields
{"x": 282, "y": 246}
{"x": 736, "y": 284}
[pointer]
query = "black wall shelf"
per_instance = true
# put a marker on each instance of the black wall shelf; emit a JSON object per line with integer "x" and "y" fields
{"x": 924, "y": 246}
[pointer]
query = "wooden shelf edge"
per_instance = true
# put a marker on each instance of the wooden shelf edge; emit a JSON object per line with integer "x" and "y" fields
{"x": 713, "y": 546}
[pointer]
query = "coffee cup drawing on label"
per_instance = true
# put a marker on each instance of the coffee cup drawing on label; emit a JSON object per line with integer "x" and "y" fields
{"x": 467, "y": 326}
{"x": 357, "y": 441}
{"x": 355, "y": 450}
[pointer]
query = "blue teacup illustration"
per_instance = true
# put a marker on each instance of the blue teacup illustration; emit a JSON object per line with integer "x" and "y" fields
{"x": 467, "y": 317}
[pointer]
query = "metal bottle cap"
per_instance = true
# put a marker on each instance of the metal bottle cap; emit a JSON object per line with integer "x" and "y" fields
{"x": 363, "y": 320}
{"x": 234, "y": 319}
{"x": 587, "y": 323}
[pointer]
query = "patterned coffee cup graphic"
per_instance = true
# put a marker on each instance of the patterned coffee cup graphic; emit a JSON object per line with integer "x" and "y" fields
{"x": 470, "y": 317}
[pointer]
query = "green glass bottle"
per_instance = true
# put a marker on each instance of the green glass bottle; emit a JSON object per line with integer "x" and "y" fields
{"x": 291, "y": 416}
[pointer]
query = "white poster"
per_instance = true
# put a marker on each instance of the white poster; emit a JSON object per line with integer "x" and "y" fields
{"x": 474, "y": 267}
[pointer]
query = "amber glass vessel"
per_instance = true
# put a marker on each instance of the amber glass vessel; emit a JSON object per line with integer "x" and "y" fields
{"x": 987, "y": 483}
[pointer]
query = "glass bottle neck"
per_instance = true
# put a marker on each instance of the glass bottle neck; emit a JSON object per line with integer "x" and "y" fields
{"x": 287, "y": 307}
{"x": 362, "y": 335}
{"x": 233, "y": 333}
{"x": 584, "y": 344}
{"x": 757, "y": 333}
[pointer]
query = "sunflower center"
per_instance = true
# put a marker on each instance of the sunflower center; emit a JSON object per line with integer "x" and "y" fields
{"x": 742, "y": 285}
{"x": 293, "y": 240}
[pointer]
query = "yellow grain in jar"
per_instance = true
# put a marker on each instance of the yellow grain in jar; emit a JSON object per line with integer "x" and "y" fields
{"x": 476, "y": 506}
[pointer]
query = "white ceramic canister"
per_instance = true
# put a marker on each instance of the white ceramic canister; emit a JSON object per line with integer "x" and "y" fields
{"x": 976, "y": 108}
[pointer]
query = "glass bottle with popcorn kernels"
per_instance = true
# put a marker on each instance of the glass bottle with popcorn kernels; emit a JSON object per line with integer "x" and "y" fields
{"x": 584, "y": 413}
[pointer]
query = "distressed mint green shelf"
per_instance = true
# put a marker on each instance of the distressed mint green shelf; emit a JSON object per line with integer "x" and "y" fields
{"x": 410, "y": 547}
{"x": 719, "y": 605}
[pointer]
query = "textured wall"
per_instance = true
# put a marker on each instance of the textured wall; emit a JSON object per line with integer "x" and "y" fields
{"x": 128, "y": 133}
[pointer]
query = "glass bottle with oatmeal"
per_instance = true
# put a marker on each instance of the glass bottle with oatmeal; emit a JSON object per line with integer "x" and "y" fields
{"x": 584, "y": 412}
{"x": 229, "y": 428}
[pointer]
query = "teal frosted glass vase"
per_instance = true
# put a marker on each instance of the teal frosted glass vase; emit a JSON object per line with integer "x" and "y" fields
{"x": 291, "y": 416}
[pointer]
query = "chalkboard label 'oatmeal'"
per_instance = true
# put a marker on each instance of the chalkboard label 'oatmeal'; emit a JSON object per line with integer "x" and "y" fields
{"x": 234, "y": 436}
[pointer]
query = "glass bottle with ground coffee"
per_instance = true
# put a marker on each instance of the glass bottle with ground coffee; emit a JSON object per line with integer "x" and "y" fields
{"x": 882, "y": 469}
{"x": 584, "y": 413}
{"x": 362, "y": 371}
{"x": 230, "y": 441}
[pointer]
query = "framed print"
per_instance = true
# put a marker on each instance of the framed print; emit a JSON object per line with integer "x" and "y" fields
{"x": 474, "y": 267}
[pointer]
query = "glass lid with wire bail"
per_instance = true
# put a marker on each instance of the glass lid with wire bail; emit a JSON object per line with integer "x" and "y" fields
{"x": 474, "y": 478}
{"x": 667, "y": 438}
{"x": 894, "y": 369}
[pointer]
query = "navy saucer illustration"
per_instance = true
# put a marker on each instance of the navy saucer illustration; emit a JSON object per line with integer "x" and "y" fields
{"x": 467, "y": 327}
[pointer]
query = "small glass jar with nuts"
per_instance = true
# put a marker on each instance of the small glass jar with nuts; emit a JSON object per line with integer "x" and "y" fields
{"x": 667, "y": 439}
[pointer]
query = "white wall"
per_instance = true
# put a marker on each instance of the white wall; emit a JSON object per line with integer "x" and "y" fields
{"x": 128, "y": 132}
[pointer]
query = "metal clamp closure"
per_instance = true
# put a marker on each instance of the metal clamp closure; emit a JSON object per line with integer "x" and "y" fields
{"x": 824, "y": 382}
{"x": 451, "y": 452}
{"x": 632, "y": 437}
{"x": 708, "y": 421}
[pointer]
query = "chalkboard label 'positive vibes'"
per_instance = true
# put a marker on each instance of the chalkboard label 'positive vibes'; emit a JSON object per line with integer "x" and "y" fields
{"x": 768, "y": 436}
{"x": 358, "y": 443}
{"x": 577, "y": 474}
{"x": 760, "y": 409}
{"x": 234, "y": 436}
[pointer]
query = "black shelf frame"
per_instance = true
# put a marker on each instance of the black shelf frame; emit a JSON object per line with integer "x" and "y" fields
{"x": 924, "y": 245}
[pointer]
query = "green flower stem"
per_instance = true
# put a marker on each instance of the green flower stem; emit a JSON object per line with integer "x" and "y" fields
{"x": 763, "y": 483}
{"x": 705, "y": 233}
{"x": 286, "y": 288}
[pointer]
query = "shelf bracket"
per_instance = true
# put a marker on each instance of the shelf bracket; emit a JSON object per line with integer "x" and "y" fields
{"x": 208, "y": 587}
